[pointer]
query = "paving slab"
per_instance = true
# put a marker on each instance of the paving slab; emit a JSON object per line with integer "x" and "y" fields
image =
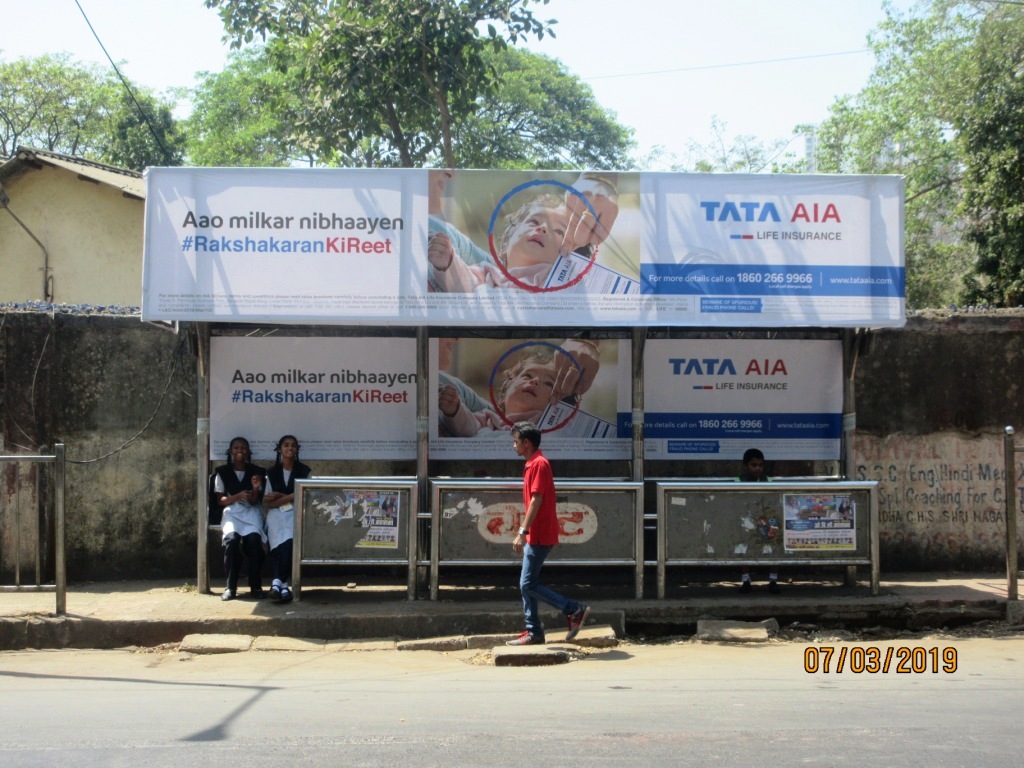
{"x": 274, "y": 643}
{"x": 202, "y": 644}
{"x": 530, "y": 655}
{"x": 456, "y": 643}
{"x": 712, "y": 630}
{"x": 375, "y": 644}
{"x": 600, "y": 636}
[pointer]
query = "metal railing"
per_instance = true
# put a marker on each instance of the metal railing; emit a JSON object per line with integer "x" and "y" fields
{"x": 780, "y": 523}
{"x": 13, "y": 519}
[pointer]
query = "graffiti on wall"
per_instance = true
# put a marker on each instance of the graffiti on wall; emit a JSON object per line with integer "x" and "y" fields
{"x": 941, "y": 497}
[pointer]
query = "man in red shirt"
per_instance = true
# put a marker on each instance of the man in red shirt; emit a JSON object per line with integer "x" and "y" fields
{"x": 536, "y": 537}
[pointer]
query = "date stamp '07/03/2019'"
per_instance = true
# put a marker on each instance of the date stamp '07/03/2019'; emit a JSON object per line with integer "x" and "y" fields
{"x": 871, "y": 659}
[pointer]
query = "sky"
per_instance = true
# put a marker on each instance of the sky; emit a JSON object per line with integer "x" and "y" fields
{"x": 667, "y": 68}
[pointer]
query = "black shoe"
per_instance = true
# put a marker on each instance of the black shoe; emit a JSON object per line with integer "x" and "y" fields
{"x": 227, "y": 594}
{"x": 773, "y": 587}
{"x": 286, "y": 595}
{"x": 257, "y": 594}
{"x": 745, "y": 587}
{"x": 275, "y": 593}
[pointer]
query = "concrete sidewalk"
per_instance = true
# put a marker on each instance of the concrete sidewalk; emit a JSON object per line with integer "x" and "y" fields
{"x": 118, "y": 614}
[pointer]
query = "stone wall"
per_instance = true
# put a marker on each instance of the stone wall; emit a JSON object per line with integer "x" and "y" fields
{"x": 932, "y": 401}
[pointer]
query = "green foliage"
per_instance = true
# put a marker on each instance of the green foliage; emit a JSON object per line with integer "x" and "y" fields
{"x": 243, "y": 116}
{"x": 137, "y": 142}
{"x": 541, "y": 116}
{"x": 908, "y": 120}
{"x": 991, "y": 137}
{"x": 52, "y": 103}
{"x": 385, "y": 81}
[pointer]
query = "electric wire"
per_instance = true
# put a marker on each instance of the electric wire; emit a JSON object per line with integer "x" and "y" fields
{"x": 128, "y": 89}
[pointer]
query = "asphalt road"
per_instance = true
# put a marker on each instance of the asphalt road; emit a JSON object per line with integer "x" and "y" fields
{"x": 644, "y": 705}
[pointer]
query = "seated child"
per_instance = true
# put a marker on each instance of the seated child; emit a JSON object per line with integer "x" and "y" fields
{"x": 279, "y": 501}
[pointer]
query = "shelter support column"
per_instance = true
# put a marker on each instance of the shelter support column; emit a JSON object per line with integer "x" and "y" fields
{"x": 639, "y": 338}
{"x": 202, "y": 335}
{"x": 422, "y": 454}
{"x": 854, "y": 343}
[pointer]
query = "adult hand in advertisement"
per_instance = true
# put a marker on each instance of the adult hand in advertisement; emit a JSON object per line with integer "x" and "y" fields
{"x": 600, "y": 192}
{"x": 448, "y": 400}
{"x": 575, "y": 379}
{"x": 440, "y": 252}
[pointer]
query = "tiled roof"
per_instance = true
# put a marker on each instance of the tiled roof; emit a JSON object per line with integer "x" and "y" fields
{"x": 129, "y": 182}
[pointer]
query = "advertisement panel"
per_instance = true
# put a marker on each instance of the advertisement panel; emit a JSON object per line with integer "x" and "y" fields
{"x": 484, "y": 386}
{"x": 713, "y": 399}
{"x": 343, "y": 398}
{"x": 509, "y": 248}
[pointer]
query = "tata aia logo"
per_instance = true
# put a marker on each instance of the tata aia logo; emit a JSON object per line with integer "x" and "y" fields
{"x": 760, "y": 212}
{"x": 713, "y": 366}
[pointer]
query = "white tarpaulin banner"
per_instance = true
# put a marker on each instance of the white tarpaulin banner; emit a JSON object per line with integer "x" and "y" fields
{"x": 508, "y": 248}
{"x": 341, "y": 397}
{"x": 713, "y": 399}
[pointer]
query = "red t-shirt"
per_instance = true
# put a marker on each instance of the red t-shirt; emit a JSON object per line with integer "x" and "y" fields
{"x": 537, "y": 478}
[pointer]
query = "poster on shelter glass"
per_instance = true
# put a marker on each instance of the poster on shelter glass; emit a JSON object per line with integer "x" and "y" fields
{"x": 715, "y": 398}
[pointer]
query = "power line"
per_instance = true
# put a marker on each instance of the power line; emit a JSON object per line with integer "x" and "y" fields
{"x": 727, "y": 66}
{"x": 124, "y": 82}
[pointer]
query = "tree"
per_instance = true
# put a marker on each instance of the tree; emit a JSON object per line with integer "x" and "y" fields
{"x": 143, "y": 132}
{"x": 52, "y": 103}
{"x": 990, "y": 133}
{"x": 389, "y": 76}
{"x": 243, "y": 116}
{"x": 541, "y": 116}
{"x": 903, "y": 122}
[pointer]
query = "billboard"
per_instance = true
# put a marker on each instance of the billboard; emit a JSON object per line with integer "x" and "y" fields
{"x": 713, "y": 399}
{"x": 528, "y": 249}
{"x": 341, "y": 397}
{"x": 484, "y": 386}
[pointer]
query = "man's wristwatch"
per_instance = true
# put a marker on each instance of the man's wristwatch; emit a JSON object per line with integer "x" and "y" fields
{"x": 523, "y": 531}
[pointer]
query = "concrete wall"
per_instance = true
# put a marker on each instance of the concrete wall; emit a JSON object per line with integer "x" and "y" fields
{"x": 932, "y": 399}
{"x": 95, "y": 261}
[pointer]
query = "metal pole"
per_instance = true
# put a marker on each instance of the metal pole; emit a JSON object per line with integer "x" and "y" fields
{"x": 851, "y": 348}
{"x": 202, "y": 456}
{"x": 1009, "y": 454}
{"x": 17, "y": 525}
{"x": 639, "y": 338}
{"x": 60, "y": 566}
{"x": 422, "y": 451}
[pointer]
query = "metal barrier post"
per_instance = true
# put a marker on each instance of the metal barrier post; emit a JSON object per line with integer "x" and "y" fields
{"x": 1009, "y": 454}
{"x": 60, "y": 565}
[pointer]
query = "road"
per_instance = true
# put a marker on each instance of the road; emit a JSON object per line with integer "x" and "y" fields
{"x": 649, "y": 705}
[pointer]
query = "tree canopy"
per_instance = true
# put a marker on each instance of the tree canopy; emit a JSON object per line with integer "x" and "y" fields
{"x": 50, "y": 102}
{"x": 243, "y": 115}
{"x": 541, "y": 117}
{"x": 944, "y": 107}
{"x": 385, "y": 80}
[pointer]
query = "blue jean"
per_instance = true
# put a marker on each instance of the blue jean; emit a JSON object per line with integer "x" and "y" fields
{"x": 533, "y": 590}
